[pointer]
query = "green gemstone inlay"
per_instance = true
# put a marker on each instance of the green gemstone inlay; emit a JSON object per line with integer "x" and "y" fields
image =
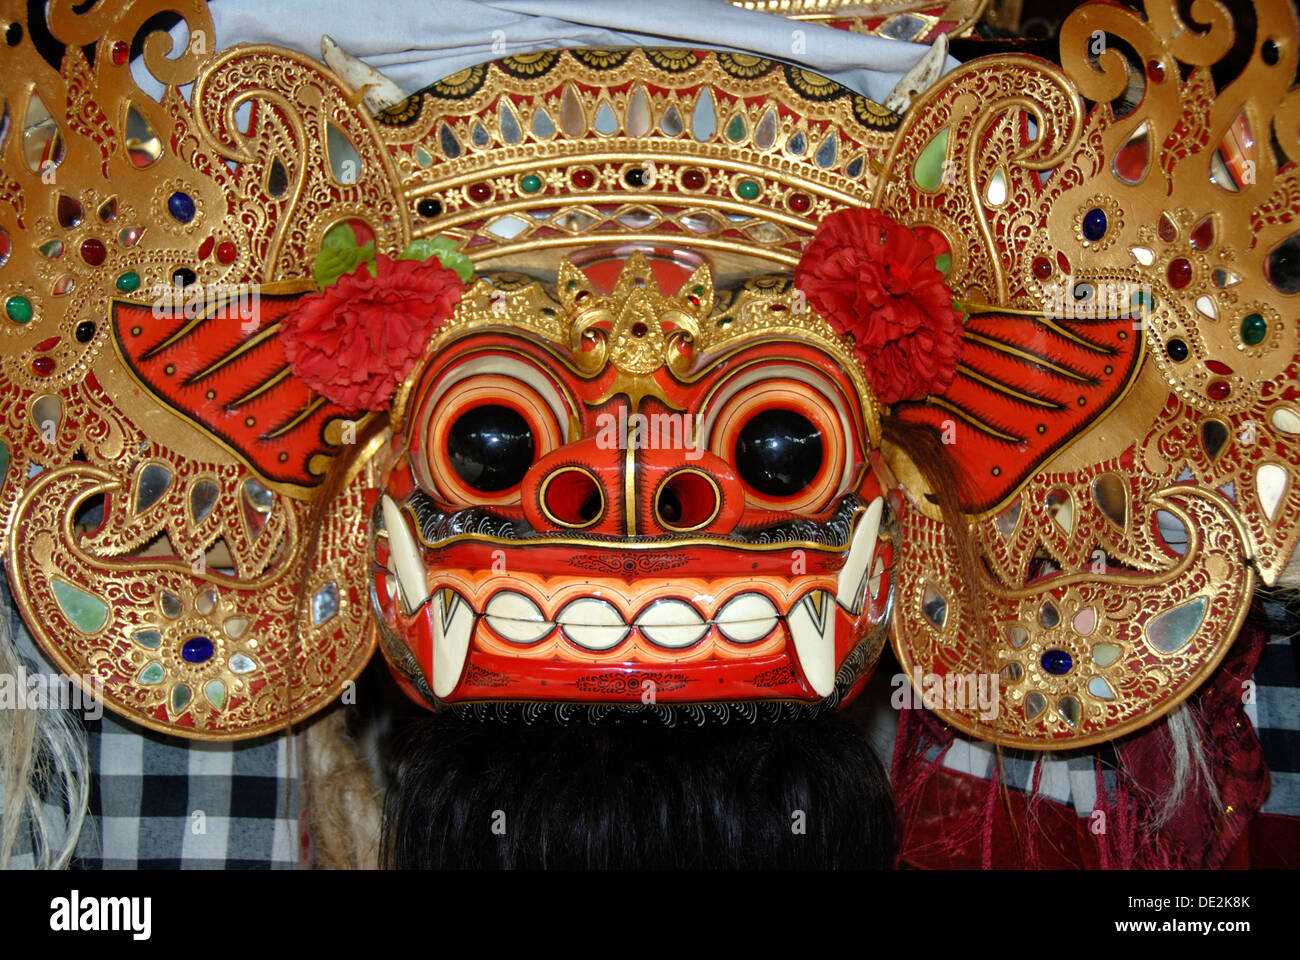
{"x": 153, "y": 673}
{"x": 736, "y": 129}
{"x": 215, "y": 691}
{"x": 1143, "y": 300}
{"x": 19, "y": 309}
{"x": 87, "y": 613}
{"x": 128, "y": 281}
{"x": 422, "y": 157}
{"x": 531, "y": 183}
{"x": 4, "y": 461}
{"x": 928, "y": 169}
{"x": 180, "y": 697}
{"x": 1104, "y": 654}
{"x": 1253, "y": 329}
{"x": 747, "y": 189}
{"x": 147, "y": 638}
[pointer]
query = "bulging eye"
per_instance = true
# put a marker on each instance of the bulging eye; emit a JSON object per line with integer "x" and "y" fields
{"x": 481, "y": 425}
{"x": 778, "y": 452}
{"x": 490, "y": 447}
{"x": 789, "y": 431}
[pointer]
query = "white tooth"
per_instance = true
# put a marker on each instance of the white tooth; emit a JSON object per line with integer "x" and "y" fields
{"x": 406, "y": 557}
{"x": 852, "y": 583}
{"x": 453, "y": 622}
{"x": 747, "y": 617}
{"x": 813, "y": 633}
{"x": 672, "y": 623}
{"x": 516, "y": 618}
{"x": 592, "y": 623}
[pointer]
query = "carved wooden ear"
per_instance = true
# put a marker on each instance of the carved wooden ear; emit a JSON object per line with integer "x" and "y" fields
{"x": 1025, "y": 387}
{"x": 223, "y": 368}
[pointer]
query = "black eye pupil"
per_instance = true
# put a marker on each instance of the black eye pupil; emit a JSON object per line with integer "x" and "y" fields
{"x": 778, "y": 452}
{"x": 490, "y": 447}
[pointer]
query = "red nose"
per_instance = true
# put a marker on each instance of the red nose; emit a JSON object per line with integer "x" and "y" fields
{"x": 632, "y": 490}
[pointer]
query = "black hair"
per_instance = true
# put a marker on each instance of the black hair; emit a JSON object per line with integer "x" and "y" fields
{"x": 470, "y": 794}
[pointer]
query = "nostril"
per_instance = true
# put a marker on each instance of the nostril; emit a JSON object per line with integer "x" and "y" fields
{"x": 571, "y": 497}
{"x": 687, "y": 500}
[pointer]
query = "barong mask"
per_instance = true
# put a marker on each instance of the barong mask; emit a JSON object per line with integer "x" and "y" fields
{"x": 647, "y": 381}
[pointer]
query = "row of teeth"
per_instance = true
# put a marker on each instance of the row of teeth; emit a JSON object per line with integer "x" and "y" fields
{"x": 597, "y": 625}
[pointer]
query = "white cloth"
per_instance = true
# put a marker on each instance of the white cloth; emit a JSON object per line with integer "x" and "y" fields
{"x": 415, "y": 42}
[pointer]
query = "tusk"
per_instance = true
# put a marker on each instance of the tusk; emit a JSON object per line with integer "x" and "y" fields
{"x": 920, "y": 78}
{"x": 377, "y": 91}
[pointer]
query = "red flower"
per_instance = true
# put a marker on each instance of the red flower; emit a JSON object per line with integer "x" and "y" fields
{"x": 357, "y": 339}
{"x": 876, "y": 280}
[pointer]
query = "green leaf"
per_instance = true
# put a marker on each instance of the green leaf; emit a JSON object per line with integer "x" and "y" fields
{"x": 340, "y": 235}
{"x": 334, "y": 261}
{"x": 944, "y": 263}
{"x": 444, "y": 248}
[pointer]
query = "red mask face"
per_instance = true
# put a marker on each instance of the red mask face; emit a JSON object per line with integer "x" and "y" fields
{"x": 616, "y": 500}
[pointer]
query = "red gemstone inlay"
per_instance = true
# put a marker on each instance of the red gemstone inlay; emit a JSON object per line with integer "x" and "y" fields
{"x": 48, "y": 344}
{"x": 800, "y": 202}
{"x": 480, "y": 192}
{"x": 226, "y": 251}
{"x": 1180, "y": 273}
{"x": 121, "y": 50}
{"x": 1063, "y": 263}
{"x": 1218, "y": 390}
{"x": 205, "y": 248}
{"x": 583, "y": 178}
{"x": 693, "y": 179}
{"x": 43, "y": 366}
{"x": 1042, "y": 268}
{"x": 1202, "y": 236}
{"x": 69, "y": 212}
{"x": 1219, "y": 367}
{"x": 1155, "y": 71}
{"x": 1168, "y": 232}
{"x": 93, "y": 252}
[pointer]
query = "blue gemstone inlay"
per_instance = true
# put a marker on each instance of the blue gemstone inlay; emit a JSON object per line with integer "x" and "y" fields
{"x": 1094, "y": 224}
{"x": 1057, "y": 662}
{"x": 197, "y": 650}
{"x": 181, "y": 207}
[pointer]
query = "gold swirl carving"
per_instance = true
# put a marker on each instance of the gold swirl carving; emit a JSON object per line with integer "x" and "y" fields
{"x": 1126, "y": 666}
{"x": 979, "y": 109}
{"x": 297, "y": 106}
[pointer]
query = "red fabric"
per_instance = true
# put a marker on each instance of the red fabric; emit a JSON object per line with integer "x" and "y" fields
{"x": 954, "y": 820}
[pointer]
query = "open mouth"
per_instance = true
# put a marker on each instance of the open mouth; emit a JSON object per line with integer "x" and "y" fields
{"x": 652, "y": 621}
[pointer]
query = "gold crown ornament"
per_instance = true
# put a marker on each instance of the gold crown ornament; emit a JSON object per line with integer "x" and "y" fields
{"x": 253, "y": 385}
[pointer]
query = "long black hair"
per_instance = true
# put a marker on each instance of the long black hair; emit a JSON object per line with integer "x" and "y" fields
{"x": 472, "y": 794}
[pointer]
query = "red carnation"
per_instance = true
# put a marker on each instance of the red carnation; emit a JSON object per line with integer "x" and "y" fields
{"x": 876, "y": 280}
{"x": 357, "y": 339}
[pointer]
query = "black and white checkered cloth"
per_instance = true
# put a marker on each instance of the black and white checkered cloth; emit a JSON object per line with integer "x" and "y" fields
{"x": 166, "y": 802}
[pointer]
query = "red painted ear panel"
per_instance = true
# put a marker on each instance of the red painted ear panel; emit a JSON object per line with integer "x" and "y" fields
{"x": 1025, "y": 385}
{"x": 225, "y": 369}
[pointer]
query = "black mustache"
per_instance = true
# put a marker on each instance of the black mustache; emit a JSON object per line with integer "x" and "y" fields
{"x": 436, "y": 526}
